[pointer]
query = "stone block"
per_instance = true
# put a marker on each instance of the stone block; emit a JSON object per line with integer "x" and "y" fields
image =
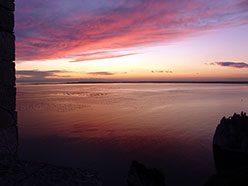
{"x": 8, "y": 98}
{"x": 7, "y": 73}
{"x": 8, "y": 4}
{"x": 6, "y": 20}
{"x": 7, "y": 118}
{"x": 9, "y": 141}
{"x": 7, "y": 46}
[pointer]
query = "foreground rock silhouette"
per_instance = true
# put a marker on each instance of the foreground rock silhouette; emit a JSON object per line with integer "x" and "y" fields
{"x": 230, "y": 147}
{"x": 139, "y": 175}
{"x": 232, "y": 133}
{"x": 26, "y": 173}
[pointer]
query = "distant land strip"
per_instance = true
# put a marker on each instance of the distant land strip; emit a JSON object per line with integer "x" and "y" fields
{"x": 217, "y": 82}
{"x": 136, "y": 82}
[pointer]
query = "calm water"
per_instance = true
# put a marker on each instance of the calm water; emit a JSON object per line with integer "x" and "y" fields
{"x": 104, "y": 126}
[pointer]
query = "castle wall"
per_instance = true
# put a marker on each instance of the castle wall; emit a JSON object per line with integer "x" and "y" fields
{"x": 8, "y": 115}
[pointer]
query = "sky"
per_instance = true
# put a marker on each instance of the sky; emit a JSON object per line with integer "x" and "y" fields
{"x": 145, "y": 40}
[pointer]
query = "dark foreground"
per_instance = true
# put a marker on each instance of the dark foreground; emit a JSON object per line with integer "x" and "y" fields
{"x": 16, "y": 172}
{"x": 230, "y": 147}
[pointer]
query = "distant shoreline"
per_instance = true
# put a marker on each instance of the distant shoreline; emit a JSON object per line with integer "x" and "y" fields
{"x": 138, "y": 82}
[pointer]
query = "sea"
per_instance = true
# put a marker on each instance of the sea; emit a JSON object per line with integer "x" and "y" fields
{"x": 103, "y": 127}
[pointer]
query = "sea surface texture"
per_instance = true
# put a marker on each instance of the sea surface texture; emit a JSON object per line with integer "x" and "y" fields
{"x": 104, "y": 127}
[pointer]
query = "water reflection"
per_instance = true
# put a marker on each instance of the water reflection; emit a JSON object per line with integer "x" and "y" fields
{"x": 105, "y": 127}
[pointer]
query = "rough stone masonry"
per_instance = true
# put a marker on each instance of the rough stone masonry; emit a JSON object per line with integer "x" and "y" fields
{"x": 8, "y": 115}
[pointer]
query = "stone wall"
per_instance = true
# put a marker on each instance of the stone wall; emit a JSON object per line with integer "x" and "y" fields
{"x": 8, "y": 115}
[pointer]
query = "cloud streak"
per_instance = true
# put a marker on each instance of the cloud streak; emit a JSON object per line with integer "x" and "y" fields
{"x": 162, "y": 71}
{"x": 231, "y": 64}
{"x": 101, "y": 73}
{"x": 101, "y": 55}
{"x": 65, "y": 29}
{"x": 39, "y": 75}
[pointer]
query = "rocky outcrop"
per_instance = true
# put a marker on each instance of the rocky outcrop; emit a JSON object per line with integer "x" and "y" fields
{"x": 139, "y": 175}
{"x": 232, "y": 133}
{"x": 230, "y": 147}
{"x": 230, "y": 143}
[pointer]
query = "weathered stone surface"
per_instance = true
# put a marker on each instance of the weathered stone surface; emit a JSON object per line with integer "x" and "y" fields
{"x": 24, "y": 173}
{"x": 8, "y": 141}
{"x": 7, "y": 73}
{"x": 139, "y": 175}
{"x": 8, "y": 4}
{"x": 7, "y": 20}
{"x": 7, "y": 118}
{"x": 7, "y": 46}
{"x": 8, "y": 98}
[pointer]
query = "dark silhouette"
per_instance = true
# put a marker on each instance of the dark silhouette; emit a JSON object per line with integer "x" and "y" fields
{"x": 8, "y": 115}
{"x": 139, "y": 175}
{"x": 230, "y": 147}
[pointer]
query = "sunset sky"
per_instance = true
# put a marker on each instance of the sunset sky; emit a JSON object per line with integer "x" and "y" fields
{"x": 163, "y": 40}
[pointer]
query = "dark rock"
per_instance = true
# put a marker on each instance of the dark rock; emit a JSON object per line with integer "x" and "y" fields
{"x": 8, "y": 4}
{"x": 228, "y": 180}
{"x": 8, "y": 98}
{"x": 7, "y": 20}
{"x": 230, "y": 147}
{"x": 7, "y": 73}
{"x": 8, "y": 142}
{"x": 7, "y": 118}
{"x": 139, "y": 175}
{"x": 24, "y": 173}
{"x": 7, "y": 46}
{"x": 232, "y": 133}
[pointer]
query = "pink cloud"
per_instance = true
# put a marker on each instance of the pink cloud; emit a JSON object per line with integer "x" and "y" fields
{"x": 46, "y": 31}
{"x": 90, "y": 57}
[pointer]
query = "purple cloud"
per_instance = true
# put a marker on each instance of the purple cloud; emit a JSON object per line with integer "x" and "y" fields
{"x": 101, "y": 73}
{"x": 231, "y": 64}
{"x": 39, "y": 75}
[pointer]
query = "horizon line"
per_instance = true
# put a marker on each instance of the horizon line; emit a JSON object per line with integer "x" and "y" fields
{"x": 136, "y": 82}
